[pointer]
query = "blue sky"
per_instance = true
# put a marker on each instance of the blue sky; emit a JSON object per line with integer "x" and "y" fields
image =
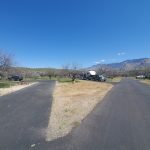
{"x": 51, "y": 33}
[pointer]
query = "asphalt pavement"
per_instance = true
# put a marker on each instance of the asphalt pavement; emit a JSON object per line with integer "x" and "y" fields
{"x": 120, "y": 122}
{"x": 24, "y": 116}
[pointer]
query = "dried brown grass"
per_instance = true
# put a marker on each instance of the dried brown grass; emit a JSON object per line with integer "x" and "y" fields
{"x": 5, "y": 91}
{"x": 146, "y": 81}
{"x": 72, "y": 103}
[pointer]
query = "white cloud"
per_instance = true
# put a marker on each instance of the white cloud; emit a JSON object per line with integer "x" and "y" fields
{"x": 100, "y": 61}
{"x": 96, "y": 62}
{"x": 121, "y": 53}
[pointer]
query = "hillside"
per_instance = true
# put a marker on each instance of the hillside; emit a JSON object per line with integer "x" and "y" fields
{"x": 125, "y": 65}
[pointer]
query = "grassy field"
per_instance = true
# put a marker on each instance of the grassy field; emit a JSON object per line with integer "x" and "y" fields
{"x": 7, "y": 84}
{"x": 145, "y": 81}
{"x": 114, "y": 80}
{"x": 36, "y": 79}
{"x": 72, "y": 103}
{"x": 59, "y": 79}
{"x": 7, "y": 87}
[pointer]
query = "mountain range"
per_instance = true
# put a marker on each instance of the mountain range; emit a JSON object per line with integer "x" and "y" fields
{"x": 134, "y": 64}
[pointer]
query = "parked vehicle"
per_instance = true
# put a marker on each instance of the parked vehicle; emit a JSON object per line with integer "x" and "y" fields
{"x": 102, "y": 78}
{"x": 15, "y": 78}
{"x": 92, "y": 75}
{"x": 140, "y": 77}
{"x": 147, "y": 76}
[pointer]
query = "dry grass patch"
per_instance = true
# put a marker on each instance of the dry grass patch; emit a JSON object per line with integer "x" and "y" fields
{"x": 145, "y": 81}
{"x": 115, "y": 80}
{"x": 72, "y": 103}
{"x": 4, "y": 91}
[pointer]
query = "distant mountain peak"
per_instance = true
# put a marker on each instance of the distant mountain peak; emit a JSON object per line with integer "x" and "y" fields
{"x": 126, "y": 65}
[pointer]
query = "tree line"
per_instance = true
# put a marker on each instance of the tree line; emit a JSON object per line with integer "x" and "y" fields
{"x": 6, "y": 63}
{"x": 7, "y": 67}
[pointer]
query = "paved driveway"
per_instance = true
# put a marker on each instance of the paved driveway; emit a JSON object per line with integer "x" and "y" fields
{"x": 24, "y": 116}
{"x": 120, "y": 122}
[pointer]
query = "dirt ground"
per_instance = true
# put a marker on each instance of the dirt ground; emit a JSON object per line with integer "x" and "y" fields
{"x": 72, "y": 103}
{"x": 4, "y": 91}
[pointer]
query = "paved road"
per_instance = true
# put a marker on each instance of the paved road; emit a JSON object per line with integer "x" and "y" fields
{"x": 24, "y": 116}
{"x": 120, "y": 122}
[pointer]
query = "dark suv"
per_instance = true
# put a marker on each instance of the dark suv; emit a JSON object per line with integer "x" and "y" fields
{"x": 15, "y": 78}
